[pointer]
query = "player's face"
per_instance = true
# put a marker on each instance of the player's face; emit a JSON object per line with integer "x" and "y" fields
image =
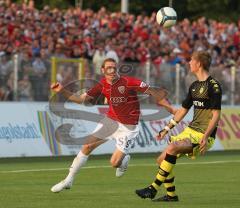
{"x": 110, "y": 70}
{"x": 194, "y": 65}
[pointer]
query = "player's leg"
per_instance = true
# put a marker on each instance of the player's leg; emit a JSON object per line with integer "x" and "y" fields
{"x": 125, "y": 138}
{"x": 195, "y": 138}
{"x": 82, "y": 157}
{"x": 170, "y": 188}
{"x": 102, "y": 131}
{"x": 117, "y": 157}
{"x": 166, "y": 166}
{"x": 161, "y": 157}
{"x": 78, "y": 162}
{"x": 168, "y": 183}
{"x": 120, "y": 161}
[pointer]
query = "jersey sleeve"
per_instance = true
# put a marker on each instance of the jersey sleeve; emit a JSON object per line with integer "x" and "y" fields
{"x": 215, "y": 95}
{"x": 95, "y": 91}
{"x": 137, "y": 85}
{"x": 188, "y": 102}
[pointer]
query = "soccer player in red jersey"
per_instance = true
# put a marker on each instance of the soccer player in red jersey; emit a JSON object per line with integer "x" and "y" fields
{"x": 120, "y": 122}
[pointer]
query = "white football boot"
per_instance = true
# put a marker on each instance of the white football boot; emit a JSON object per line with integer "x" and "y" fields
{"x": 122, "y": 169}
{"x": 61, "y": 185}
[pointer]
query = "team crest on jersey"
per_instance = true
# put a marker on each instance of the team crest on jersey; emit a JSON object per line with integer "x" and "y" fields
{"x": 143, "y": 84}
{"x": 201, "y": 90}
{"x": 215, "y": 88}
{"x": 121, "y": 89}
{"x": 213, "y": 81}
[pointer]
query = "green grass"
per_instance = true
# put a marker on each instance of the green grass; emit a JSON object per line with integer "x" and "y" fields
{"x": 199, "y": 183}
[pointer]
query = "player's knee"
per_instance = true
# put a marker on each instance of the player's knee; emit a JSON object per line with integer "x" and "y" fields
{"x": 172, "y": 149}
{"x": 159, "y": 160}
{"x": 87, "y": 149}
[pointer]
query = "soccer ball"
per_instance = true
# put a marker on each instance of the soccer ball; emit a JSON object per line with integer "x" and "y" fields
{"x": 166, "y": 17}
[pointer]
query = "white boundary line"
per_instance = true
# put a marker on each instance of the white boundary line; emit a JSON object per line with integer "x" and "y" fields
{"x": 131, "y": 165}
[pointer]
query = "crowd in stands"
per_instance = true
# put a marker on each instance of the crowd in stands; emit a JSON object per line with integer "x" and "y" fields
{"x": 37, "y": 35}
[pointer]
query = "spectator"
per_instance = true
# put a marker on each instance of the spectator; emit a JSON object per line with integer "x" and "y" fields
{"x": 25, "y": 66}
{"x": 6, "y": 67}
{"x": 111, "y": 53}
{"x": 3, "y": 93}
{"x": 9, "y": 92}
{"x": 38, "y": 79}
{"x": 98, "y": 58}
{"x": 25, "y": 89}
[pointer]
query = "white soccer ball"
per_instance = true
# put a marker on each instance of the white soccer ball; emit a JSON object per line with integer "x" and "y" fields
{"x": 166, "y": 16}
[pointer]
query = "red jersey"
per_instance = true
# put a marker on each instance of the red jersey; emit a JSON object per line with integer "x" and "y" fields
{"x": 122, "y": 97}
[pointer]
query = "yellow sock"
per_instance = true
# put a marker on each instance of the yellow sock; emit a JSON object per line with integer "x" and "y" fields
{"x": 164, "y": 170}
{"x": 169, "y": 184}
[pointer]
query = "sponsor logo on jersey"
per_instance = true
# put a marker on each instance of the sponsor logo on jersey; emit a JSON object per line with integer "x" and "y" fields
{"x": 121, "y": 89}
{"x": 216, "y": 88}
{"x": 116, "y": 100}
{"x": 143, "y": 84}
{"x": 198, "y": 103}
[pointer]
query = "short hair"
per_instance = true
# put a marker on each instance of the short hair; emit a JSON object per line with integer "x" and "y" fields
{"x": 204, "y": 58}
{"x": 108, "y": 60}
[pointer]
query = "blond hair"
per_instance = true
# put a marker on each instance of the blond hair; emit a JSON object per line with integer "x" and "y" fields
{"x": 204, "y": 58}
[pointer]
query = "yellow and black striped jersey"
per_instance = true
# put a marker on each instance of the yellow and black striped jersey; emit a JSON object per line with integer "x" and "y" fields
{"x": 205, "y": 96}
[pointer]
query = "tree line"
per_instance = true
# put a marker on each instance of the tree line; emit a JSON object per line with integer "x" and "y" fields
{"x": 224, "y": 10}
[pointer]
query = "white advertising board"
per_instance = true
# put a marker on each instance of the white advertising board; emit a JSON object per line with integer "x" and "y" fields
{"x": 28, "y": 129}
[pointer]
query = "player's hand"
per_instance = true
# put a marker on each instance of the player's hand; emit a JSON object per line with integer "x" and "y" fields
{"x": 161, "y": 134}
{"x": 56, "y": 87}
{"x": 203, "y": 145}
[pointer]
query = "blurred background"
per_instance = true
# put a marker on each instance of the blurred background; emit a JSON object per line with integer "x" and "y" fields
{"x": 55, "y": 40}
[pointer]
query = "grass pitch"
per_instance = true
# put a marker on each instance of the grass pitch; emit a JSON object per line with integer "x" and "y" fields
{"x": 209, "y": 181}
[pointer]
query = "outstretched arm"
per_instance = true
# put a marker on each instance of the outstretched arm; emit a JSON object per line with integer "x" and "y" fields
{"x": 57, "y": 87}
{"x": 160, "y": 95}
{"x": 179, "y": 115}
{"x": 157, "y": 92}
{"x": 167, "y": 105}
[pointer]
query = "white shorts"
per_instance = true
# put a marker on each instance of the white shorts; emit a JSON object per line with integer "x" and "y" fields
{"x": 124, "y": 134}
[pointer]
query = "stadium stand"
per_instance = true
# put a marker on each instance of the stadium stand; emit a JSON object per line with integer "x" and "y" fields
{"x": 91, "y": 35}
